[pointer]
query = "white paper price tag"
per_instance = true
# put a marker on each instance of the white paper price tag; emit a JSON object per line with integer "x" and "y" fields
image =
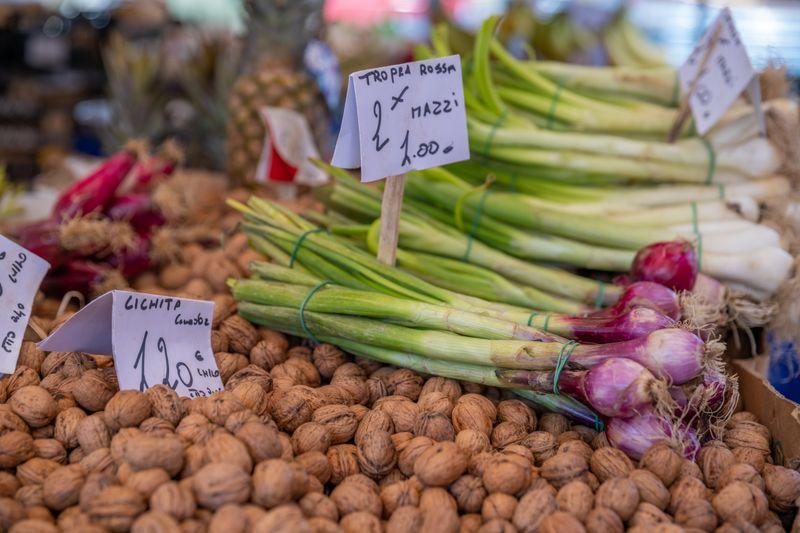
{"x": 154, "y": 339}
{"x": 21, "y": 273}
{"x": 403, "y": 117}
{"x": 726, "y": 74}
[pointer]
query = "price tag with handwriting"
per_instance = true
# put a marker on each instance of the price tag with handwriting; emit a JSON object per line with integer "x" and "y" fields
{"x": 403, "y": 117}
{"x": 726, "y": 73}
{"x": 21, "y": 272}
{"x": 154, "y": 339}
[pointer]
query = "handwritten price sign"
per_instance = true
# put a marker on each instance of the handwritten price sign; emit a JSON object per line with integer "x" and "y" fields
{"x": 154, "y": 339}
{"x": 21, "y": 273}
{"x": 403, "y": 117}
{"x": 722, "y": 77}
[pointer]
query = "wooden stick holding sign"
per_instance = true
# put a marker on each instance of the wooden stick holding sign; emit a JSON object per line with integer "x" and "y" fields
{"x": 401, "y": 118}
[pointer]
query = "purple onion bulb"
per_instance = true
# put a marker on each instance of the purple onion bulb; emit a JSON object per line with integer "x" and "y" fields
{"x": 672, "y": 264}
{"x": 637, "y": 434}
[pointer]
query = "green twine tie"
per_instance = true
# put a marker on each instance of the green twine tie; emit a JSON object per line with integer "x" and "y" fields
{"x": 489, "y": 138}
{"x": 303, "y": 305}
{"x": 601, "y": 295}
{"x": 534, "y": 314}
{"x": 598, "y": 424}
{"x": 561, "y": 362}
{"x": 698, "y": 236}
{"x": 712, "y": 161}
{"x": 553, "y": 104}
{"x": 299, "y": 243}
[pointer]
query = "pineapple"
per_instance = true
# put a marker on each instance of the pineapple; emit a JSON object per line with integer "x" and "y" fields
{"x": 273, "y": 75}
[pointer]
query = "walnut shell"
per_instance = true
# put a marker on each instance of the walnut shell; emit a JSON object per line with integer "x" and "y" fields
{"x": 782, "y": 487}
{"x": 542, "y": 444}
{"x": 749, "y": 434}
{"x": 696, "y": 514}
{"x": 250, "y": 374}
{"x": 411, "y": 452}
{"x": 563, "y": 468}
{"x": 470, "y": 523}
{"x": 398, "y": 495}
{"x": 327, "y": 358}
{"x": 374, "y": 421}
{"x": 355, "y": 387}
{"x": 15, "y": 447}
{"x": 576, "y": 498}
{"x": 276, "y": 482}
{"x": 507, "y": 433}
{"x": 261, "y": 441}
{"x": 741, "y": 472}
{"x": 116, "y": 508}
{"x": 518, "y": 412}
{"x": 498, "y": 506}
{"x": 174, "y": 499}
{"x": 93, "y": 391}
{"x": 440, "y": 464}
{"x": 648, "y": 514}
{"x": 127, "y": 408}
{"x": 402, "y": 411}
{"x": 435, "y": 425}
{"x": 361, "y": 522}
{"x": 405, "y": 382}
{"x": 607, "y": 463}
{"x": 23, "y": 376}
{"x": 224, "y": 447}
{"x": 146, "y": 481}
{"x": 472, "y": 442}
{"x": 242, "y": 335}
{"x": 755, "y": 458}
{"x": 344, "y": 462}
{"x": 714, "y": 460}
{"x": 509, "y": 474}
{"x": 603, "y": 520}
{"x": 469, "y": 493}
{"x": 576, "y": 446}
{"x": 619, "y": 494}
{"x": 217, "y": 484}
{"x": 34, "y": 405}
{"x": 154, "y": 521}
{"x": 155, "y": 452}
{"x": 685, "y": 489}
{"x": 340, "y": 421}
{"x": 449, "y": 387}
{"x": 165, "y": 403}
{"x": 315, "y": 504}
{"x": 437, "y": 402}
{"x": 352, "y": 496}
{"x": 292, "y": 407}
{"x": 554, "y": 423}
{"x": 434, "y": 497}
{"x": 440, "y": 519}
{"x": 651, "y": 489}
{"x": 560, "y": 522}
{"x": 532, "y": 509}
{"x": 311, "y": 436}
{"x": 662, "y": 460}
{"x": 376, "y": 454}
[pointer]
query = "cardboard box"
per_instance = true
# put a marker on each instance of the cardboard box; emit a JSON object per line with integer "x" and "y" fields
{"x": 778, "y": 413}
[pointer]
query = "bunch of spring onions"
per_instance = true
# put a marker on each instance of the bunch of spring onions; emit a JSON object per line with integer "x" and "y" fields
{"x": 330, "y": 289}
{"x": 570, "y": 166}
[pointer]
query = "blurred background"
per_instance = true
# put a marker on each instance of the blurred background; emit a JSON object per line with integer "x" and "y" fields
{"x": 81, "y": 76}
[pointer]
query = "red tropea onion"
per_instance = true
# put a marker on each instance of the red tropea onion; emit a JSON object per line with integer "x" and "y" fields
{"x": 138, "y": 209}
{"x": 616, "y": 387}
{"x": 153, "y": 168}
{"x": 633, "y": 324}
{"x": 645, "y": 294}
{"x": 672, "y": 264}
{"x": 76, "y": 275}
{"x": 635, "y": 435}
{"x": 134, "y": 260}
{"x": 95, "y": 191}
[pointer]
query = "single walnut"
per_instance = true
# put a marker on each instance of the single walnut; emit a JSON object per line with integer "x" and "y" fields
{"x": 224, "y": 447}
{"x": 690, "y": 468}
{"x": 563, "y": 468}
{"x": 397, "y": 495}
{"x": 165, "y": 403}
{"x": 155, "y": 452}
{"x": 437, "y": 402}
{"x": 608, "y": 463}
{"x": 220, "y": 405}
{"x": 217, "y": 484}
{"x": 30, "y": 495}
{"x": 469, "y": 493}
{"x": 116, "y": 507}
{"x": 518, "y": 412}
{"x": 755, "y": 458}
{"x": 782, "y": 486}
{"x": 242, "y": 335}
{"x": 411, "y": 452}
{"x": 576, "y": 498}
{"x": 145, "y": 482}
{"x": 355, "y": 387}
{"x": 327, "y": 358}
{"x": 603, "y": 520}
{"x": 126, "y": 409}
{"x": 405, "y": 519}
{"x": 50, "y": 449}
{"x": 506, "y": 433}
{"x": 361, "y": 522}
{"x": 685, "y": 489}
{"x": 350, "y": 370}
{"x": 714, "y": 459}
{"x": 435, "y": 425}
{"x": 298, "y": 370}
{"x": 311, "y": 436}
{"x": 466, "y": 416}
{"x": 498, "y": 506}
{"x": 651, "y": 489}
{"x": 174, "y": 499}
{"x": 567, "y": 436}
{"x": 372, "y": 421}
{"x": 99, "y": 460}
{"x": 9, "y": 421}
{"x": 507, "y": 473}
{"x": 31, "y": 357}
{"x": 315, "y": 504}
{"x": 741, "y": 472}
{"x": 663, "y": 462}
{"x": 352, "y": 496}
{"x": 344, "y": 462}
{"x": 157, "y": 427}
{"x": 696, "y": 514}
{"x": 532, "y": 509}
{"x": 440, "y": 464}
{"x": 316, "y": 464}
{"x": 449, "y": 387}
{"x": 402, "y": 411}
{"x": 262, "y": 441}
{"x": 340, "y": 421}
{"x": 748, "y": 434}
{"x": 22, "y": 377}
{"x": 648, "y": 515}
{"x": 619, "y": 494}
{"x": 92, "y": 390}
{"x": 472, "y": 442}
{"x": 376, "y": 454}
{"x": 542, "y": 444}
{"x": 576, "y": 446}
{"x": 470, "y": 523}
{"x": 15, "y": 447}
{"x": 404, "y": 382}
{"x": 554, "y": 423}
{"x": 561, "y": 522}
{"x": 250, "y": 374}
{"x": 290, "y": 408}
{"x": 154, "y": 521}
{"x": 34, "y": 405}
{"x": 435, "y": 497}
{"x": 276, "y": 482}
{"x": 229, "y": 364}
{"x": 8, "y": 484}
{"x": 35, "y": 470}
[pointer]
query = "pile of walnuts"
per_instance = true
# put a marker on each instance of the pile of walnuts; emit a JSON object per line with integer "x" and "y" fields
{"x": 313, "y": 440}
